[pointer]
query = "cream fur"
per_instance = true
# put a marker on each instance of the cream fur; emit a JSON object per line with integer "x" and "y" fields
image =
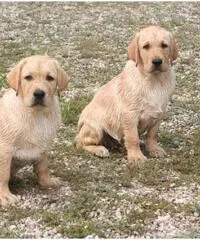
{"x": 131, "y": 103}
{"x": 27, "y": 130}
{"x": 31, "y": 131}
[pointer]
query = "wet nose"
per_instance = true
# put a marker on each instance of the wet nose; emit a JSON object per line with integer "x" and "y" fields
{"x": 157, "y": 61}
{"x": 39, "y": 94}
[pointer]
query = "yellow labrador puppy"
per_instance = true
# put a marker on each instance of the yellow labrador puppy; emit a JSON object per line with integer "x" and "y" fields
{"x": 134, "y": 101}
{"x": 29, "y": 117}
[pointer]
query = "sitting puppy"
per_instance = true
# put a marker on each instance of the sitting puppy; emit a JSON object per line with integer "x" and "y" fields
{"x": 29, "y": 117}
{"x": 134, "y": 101}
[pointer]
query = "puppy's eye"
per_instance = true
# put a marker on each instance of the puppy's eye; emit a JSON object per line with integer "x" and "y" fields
{"x": 146, "y": 46}
{"x": 28, "y": 77}
{"x": 49, "y": 78}
{"x": 164, "y": 45}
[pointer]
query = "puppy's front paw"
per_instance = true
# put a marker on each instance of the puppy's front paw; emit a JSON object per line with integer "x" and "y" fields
{"x": 135, "y": 158}
{"x": 156, "y": 151}
{"x": 7, "y": 198}
{"x": 50, "y": 182}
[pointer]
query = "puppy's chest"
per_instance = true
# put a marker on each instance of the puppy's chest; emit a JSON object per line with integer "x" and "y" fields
{"x": 153, "y": 106}
{"x": 35, "y": 138}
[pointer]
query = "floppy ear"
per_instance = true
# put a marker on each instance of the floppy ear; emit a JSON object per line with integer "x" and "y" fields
{"x": 62, "y": 78}
{"x": 13, "y": 77}
{"x": 174, "y": 49}
{"x": 133, "y": 50}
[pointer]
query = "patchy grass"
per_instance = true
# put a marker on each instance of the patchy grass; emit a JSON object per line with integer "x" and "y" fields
{"x": 17, "y": 214}
{"x": 72, "y": 109}
{"x": 103, "y": 197}
{"x": 2, "y": 80}
{"x": 8, "y": 234}
{"x": 90, "y": 48}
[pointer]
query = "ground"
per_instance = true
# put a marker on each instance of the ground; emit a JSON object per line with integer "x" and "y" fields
{"x": 103, "y": 197}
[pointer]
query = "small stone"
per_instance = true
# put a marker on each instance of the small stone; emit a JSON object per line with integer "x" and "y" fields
{"x": 118, "y": 214}
{"x": 196, "y": 214}
{"x": 12, "y": 227}
{"x": 164, "y": 218}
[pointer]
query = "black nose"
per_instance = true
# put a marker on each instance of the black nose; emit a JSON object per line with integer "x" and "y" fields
{"x": 39, "y": 94}
{"x": 157, "y": 61}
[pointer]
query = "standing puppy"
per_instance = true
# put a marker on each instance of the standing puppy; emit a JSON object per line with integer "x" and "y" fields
{"x": 29, "y": 117}
{"x": 134, "y": 101}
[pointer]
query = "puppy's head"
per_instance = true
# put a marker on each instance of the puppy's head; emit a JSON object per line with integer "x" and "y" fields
{"x": 36, "y": 79}
{"x": 154, "y": 49}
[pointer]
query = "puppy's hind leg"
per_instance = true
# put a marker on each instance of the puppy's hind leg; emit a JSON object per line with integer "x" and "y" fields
{"x": 90, "y": 140}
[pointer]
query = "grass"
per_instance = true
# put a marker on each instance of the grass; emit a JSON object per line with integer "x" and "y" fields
{"x": 81, "y": 223}
{"x": 72, "y": 109}
{"x": 2, "y": 80}
{"x": 90, "y": 48}
{"x": 104, "y": 197}
{"x": 8, "y": 234}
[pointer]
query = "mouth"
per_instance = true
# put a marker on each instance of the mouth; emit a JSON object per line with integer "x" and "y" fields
{"x": 159, "y": 69}
{"x": 38, "y": 103}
